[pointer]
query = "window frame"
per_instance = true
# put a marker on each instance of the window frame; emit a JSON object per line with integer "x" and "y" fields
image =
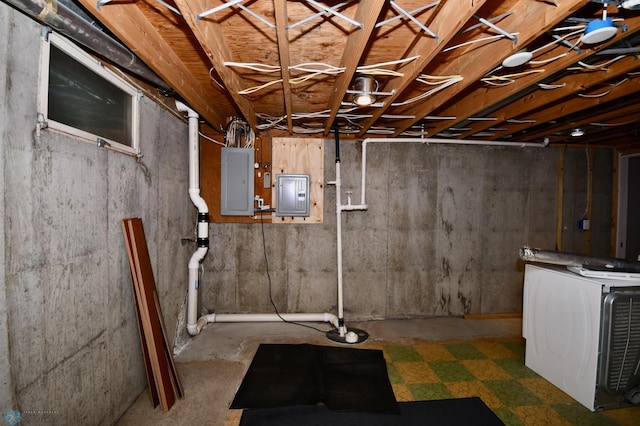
{"x": 92, "y": 65}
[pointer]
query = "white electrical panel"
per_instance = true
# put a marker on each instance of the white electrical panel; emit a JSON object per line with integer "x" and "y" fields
{"x": 292, "y": 195}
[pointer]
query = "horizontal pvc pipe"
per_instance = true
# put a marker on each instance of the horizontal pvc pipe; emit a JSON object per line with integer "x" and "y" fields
{"x": 296, "y": 317}
{"x": 428, "y": 141}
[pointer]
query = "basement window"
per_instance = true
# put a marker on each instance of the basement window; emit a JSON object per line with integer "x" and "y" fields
{"x": 79, "y": 96}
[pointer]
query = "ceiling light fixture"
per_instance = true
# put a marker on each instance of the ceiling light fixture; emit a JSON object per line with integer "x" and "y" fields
{"x": 517, "y": 59}
{"x": 599, "y": 30}
{"x": 364, "y": 87}
{"x": 576, "y": 133}
{"x": 630, "y": 4}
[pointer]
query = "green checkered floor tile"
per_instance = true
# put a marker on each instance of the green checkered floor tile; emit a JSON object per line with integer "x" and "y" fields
{"x": 494, "y": 370}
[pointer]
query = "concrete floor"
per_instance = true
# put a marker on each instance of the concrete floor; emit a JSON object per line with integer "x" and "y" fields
{"x": 213, "y": 364}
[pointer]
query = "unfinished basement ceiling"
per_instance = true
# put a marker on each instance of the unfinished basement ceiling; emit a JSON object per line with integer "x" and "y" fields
{"x": 288, "y": 67}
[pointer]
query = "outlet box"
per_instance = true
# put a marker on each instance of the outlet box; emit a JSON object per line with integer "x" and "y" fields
{"x": 583, "y": 224}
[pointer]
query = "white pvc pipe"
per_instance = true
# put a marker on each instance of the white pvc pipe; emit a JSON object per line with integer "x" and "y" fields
{"x": 194, "y": 325}
{"x": 430, "y": 141}
{"x": 341, "y": 328}
{"x": 299, "y": 317}
{"x": 363, "y": 203}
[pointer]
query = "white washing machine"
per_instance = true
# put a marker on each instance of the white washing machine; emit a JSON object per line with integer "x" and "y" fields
{"x": 582, "y": 331}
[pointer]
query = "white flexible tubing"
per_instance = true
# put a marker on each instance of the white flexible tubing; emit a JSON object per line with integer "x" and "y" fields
{"x": 365, "y": 142}
{"x": 296, "y": 317}
{"x": 194, "y": 325}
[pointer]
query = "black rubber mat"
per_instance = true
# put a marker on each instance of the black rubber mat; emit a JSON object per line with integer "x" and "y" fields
{"x": 447, "y": 412}
{"x": 340, "y": 378}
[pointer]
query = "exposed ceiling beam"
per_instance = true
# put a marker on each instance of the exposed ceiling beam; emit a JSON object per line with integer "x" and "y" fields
{"x": 211, "y": 38}
{"x": 483, "y": 98}
{"x": 528, "y": 20}
{"x": 367, "y": 14}
{"x": 449, "y": 20}
{"x": 285, "y": 60}
{"x": 576, "y": 104}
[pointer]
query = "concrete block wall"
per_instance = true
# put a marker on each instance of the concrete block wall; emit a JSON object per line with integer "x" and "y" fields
{"x": 440, "y": 238}
{"x": 69, "y": 344}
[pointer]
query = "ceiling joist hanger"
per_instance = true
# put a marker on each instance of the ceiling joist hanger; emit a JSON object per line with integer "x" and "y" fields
{"x": 410, "y": 15}
{"x": 237, "y": 3}
{"x": 325, "y": 10}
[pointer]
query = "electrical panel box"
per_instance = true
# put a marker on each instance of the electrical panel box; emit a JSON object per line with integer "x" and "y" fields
{"x": 237, "y": 180}
{"x": 292, "y": 195}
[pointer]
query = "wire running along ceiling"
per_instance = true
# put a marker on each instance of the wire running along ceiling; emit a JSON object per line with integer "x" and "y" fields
{"x": 519, "y": 70}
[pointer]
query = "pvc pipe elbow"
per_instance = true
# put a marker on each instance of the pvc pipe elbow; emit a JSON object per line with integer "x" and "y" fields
{"x": 193, "y": 329}
{"x": 196, "y": 258}
{"x": 198, "y": 201}
{"x": 184, "y": 108}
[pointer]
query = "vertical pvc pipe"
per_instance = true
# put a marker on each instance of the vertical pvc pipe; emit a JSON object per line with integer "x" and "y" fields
{"x": 341, "y": 329}
{"x": 193, "y": 324}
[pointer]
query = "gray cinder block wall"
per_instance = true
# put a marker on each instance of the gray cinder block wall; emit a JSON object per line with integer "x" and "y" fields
{"x": 440, "y": 238}
{"x": 69, "y": 345}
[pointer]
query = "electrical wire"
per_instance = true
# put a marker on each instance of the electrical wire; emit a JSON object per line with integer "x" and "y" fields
{"x": 423, "y": 78}
{"x": 236, "y": 128}
{"x": 600, "y": 67}
{"x": 266, "y": 264}
{"x": 202, "y": 135}
{"x": 495, "y": 37}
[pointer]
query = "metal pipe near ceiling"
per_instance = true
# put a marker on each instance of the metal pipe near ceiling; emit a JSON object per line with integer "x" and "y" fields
{"x": 79, "y": 27}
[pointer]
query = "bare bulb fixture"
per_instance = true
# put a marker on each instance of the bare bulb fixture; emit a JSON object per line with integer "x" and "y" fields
{"x": 576, "y": 133}
{"x": 364, "y": 87}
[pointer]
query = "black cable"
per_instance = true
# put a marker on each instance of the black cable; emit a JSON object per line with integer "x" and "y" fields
{"x": 266, "y": 262}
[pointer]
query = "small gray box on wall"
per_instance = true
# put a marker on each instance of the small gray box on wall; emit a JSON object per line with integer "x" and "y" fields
{"x": 237, "y": 182}
{"x": 292, "y": 195}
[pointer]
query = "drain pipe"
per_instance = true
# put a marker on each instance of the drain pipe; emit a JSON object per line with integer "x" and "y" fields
{"x": 194, "y": 325}
{"x": 342, "y": 334}
{"x": 351, "y": 335}
{"x": 78, "y": 26}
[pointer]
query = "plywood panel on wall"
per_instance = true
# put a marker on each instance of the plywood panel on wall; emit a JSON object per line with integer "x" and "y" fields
{"x": 301, "y": 156}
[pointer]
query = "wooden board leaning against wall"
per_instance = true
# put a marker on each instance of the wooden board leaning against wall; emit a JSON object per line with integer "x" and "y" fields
{"x": 273, "y": 156}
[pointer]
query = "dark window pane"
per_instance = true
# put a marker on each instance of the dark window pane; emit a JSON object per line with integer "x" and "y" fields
{"x": 82, "y": 99}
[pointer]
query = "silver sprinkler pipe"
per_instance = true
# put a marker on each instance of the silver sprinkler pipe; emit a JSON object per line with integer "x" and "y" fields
{"x": 194, "y": 325}
{"x": 569, "y": 259}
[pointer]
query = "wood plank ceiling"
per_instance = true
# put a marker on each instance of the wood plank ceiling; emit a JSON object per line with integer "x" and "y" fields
{"x": 288, "y": 67}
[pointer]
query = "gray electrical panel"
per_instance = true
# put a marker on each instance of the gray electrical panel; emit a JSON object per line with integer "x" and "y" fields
{"x": 236, "y": 178}
{"x": 292, "y": 195}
